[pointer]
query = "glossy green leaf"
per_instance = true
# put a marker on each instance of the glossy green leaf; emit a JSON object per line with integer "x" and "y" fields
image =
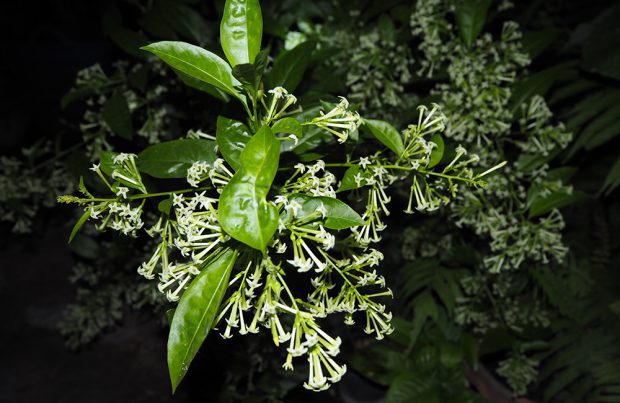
{"x": 198, "y": 63}
{"x": 203, "y": 86}
{"x": 171, "y": 159}
{"x": 241, "y": 30}
{"x": 348, "y": 180}
{"x": 244, "y": 212}
{"x": 231, "y": 137}
{"x": 289, "y": 68}
{"x": 338, "y": 214}
{"x": 386, "y": 134}
{"x": 470, "y": 18}
{"x": 117, "y": 116}
{"x": 287, "y": 125}
{"x": 79, "y": 224}
{"x": 437, "y": 152}
{"x": 196, "y": 312}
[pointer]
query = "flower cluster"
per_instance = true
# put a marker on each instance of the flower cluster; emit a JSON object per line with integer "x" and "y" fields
{"x": 339, "y": 121}
{"x": 313, "y": 237}
{"x": 377, "y": 63}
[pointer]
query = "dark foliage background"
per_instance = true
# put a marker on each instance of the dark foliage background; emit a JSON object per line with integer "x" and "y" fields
{"x": 44, "y": 44}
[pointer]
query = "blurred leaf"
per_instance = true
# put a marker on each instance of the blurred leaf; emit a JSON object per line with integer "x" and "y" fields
{"x": 84, "y": 246}
{"x": 535, "y": 42}
{"x": 171, "y": 159}
{"x": 612, "y": 181}
{"x": 290, "y": 66}
{"x": 117, "y": 116}
{"x": 413, "y": 387}
{"x": 555, "y": 200}
{"x": 536, "y": 84}
{"x": 470, "y": 18}
{"x": 599, "y": 50}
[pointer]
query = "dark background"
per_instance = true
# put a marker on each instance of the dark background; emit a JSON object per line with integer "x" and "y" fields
{"x": 43, "y": 45}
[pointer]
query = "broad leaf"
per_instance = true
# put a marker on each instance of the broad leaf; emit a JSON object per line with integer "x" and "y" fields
{"x": 386, "y": 134}
{"x": 287, "y": 125}
{"x": 194, "y": 316}
{"x": 203, "y": 86}
{"x": 198, "y": 63}
{"x": 338, "y": 215}
{"x": 437, "y": 152}
{"x": 231, "y": 137}
{"x": 117, "y": 116}
{"x": 289, "y": 68}
{"x": 348, "y": 180}
{"x": 470, "y": 17}
{"x": 241, "y": 30}
{"x": 244, "y": 212}
{"x": 171, "y": 159}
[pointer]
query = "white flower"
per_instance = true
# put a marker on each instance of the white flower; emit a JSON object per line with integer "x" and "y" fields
{"x": 121, "y": 191}
{"x": 364, "y": 162}
{"x": 278, "y": 92}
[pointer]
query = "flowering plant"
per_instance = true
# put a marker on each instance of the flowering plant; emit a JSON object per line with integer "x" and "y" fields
{"x": 256, "y": 215}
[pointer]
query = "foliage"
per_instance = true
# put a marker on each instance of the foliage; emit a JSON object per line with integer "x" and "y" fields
{"x": 495, "y": 278}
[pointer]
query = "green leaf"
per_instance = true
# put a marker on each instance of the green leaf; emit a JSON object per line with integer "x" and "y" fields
{"x": 287, "y": 125}
{"x": 241, "y": 30}
{"x": 244, "y": 212}
{"x": 117, "y": 116}
{"x": 338, "y": 214}
{"x": 198, "y": 63}
{"x": 248, "y": 77}
{"x": 171, "y": 159}
{"x": 195, "y": 314}
{"x": 79, "y": 224}
{"x": 437, "y": 153}
{"x": 555, "y": 200}
{"x": 386, "y": 134}
{"x": 289, "y": 68}
{"x": 470, "y": 18}
{"x": 165, "y": 205}
{"x": 348, "y": 180}
{"x": 231, "y": 137}
{"x": 202, "y": 86}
